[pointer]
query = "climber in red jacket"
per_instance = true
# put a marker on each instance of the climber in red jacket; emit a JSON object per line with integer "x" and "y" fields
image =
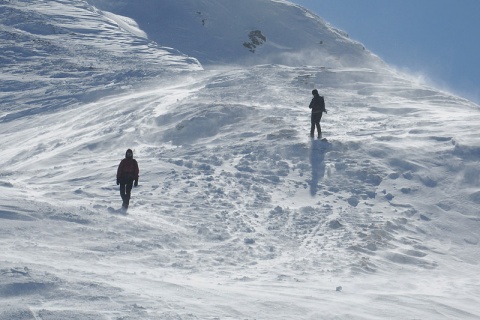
{"x": 127, "y": 177}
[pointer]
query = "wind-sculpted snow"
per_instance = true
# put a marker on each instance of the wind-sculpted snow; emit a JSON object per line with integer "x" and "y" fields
{"x": 65, "y": 52}
{"x": 238, "y": 213}
{"x": 237, "y": 206}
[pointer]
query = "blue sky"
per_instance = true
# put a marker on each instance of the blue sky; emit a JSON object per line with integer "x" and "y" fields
{"x": 439, "y": 39}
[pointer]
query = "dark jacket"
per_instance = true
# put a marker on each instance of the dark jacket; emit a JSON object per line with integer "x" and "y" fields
{"x": 128, "y": 168}
{"x": 317, "y": 104}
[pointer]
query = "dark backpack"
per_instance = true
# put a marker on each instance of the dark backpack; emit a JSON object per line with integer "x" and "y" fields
{"x": 322, "y": 103}
{"x": 318, "y": 104}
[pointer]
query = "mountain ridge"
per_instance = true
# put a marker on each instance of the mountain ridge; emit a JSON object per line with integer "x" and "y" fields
{"x": 203, "y": 31}
{"x": 62, "y": 42}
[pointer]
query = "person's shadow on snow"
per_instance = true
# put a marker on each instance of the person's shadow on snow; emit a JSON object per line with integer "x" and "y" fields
{"x": 317, "y": 162}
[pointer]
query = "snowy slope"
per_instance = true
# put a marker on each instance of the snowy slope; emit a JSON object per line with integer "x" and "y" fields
{"x": 67, "y": 51}
{"x": 245, "y": 32}
{"x": 238, "y": 215}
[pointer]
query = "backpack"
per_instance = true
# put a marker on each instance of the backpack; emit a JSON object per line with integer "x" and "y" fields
{"x": 322, "y": 103}
{"x": 318, "y": 104}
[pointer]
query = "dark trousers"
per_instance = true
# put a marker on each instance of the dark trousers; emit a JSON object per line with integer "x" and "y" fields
{"x": 316, "y": 117}
{"x": 125, "y": 190}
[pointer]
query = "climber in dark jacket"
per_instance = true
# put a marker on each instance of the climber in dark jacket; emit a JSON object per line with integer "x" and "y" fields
{"x": 318, "y": 108}
{"x": 127, "y": 177}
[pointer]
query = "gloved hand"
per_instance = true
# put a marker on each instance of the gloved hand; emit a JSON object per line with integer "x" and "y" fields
{"x": 135, "y": 184}
{"x": 118, "y": 182}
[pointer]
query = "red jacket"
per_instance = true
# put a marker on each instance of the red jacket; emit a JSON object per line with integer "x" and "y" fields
{"x": 128, "y": 169}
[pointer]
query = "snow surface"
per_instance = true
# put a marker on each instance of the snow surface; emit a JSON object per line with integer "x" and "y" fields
{"x": 238, "y": 214}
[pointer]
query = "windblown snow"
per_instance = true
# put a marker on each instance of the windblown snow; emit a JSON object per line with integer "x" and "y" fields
{"x": 238, "y": 213}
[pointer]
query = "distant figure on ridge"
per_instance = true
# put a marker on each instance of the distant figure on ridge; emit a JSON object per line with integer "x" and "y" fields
{"x": 127, "y": 177}
{"x": 318, "y": 108}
